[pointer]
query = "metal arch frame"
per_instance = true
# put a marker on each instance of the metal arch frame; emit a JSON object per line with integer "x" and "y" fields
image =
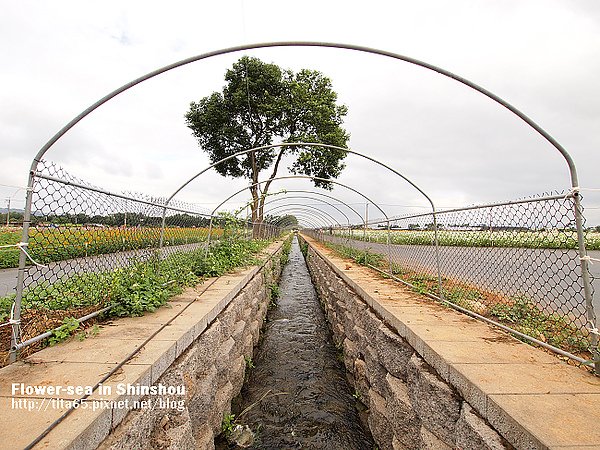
{"x": 316, "y": 199}
{"x": 311, "y": 146}
{"x": 327, "y": 222}
{"x": 291, "y": 177}
{"x": 323, "y": 202}
{"x": 569, "y": 160}
{"x": 312, "y": 218}
{"x": 280, "y": 220}
{"x": 309, "y": 222}
{"x": 303, "y": 144}
{"x": 297, "y": 197}
{"x": 320, "y": 212}
{"x": 293, "y": 191}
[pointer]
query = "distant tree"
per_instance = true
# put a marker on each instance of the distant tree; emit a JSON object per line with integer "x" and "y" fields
{"x": 261, "y": 104}
{"x": 282, "y": 221}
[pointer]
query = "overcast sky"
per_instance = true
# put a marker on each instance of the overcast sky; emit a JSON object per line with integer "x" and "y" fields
{"x": 543, "y": 56}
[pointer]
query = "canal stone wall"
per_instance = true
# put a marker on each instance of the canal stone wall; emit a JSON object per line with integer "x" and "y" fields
{"x": 192, "y": 352}
{"x": 212, "y": 369}
{"x": 410, "y": 406}
{"x": 433, "y": 378}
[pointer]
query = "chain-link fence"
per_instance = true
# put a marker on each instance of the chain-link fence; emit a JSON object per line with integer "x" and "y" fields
{"x": 88, "y": 246}
{"x": 516, "y": 263}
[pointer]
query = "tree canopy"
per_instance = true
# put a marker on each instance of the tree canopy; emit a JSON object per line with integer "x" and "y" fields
{"x": 262, "y": 104}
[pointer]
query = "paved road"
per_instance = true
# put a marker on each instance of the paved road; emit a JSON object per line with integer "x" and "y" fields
{"x": 56, "y": 270}
{"x": 551, "y": 277}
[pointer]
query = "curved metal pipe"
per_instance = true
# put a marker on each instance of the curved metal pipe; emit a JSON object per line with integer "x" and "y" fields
{"x": 312, "y": 145}
{"x": 349, "y": 227}
{"x": 464, "y": 81}
{"x": 300, "y": 191}
{"x": 359, "y": 48}
{"x": 302, "y": 144}
{"x": 308, "y": 207}
{"x": 308, "y": 222}
{"x": 288, "y": 177}
{"x": 270, "y": 202}
{"x": 317, "y": 222}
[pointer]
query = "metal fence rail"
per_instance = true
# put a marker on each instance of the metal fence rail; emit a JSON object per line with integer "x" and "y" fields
{"x": 516, "y": 263}
{"x": 82, "y": 236}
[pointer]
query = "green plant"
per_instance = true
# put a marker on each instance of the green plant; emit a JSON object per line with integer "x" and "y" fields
{"x": 92, "y": 332}
{"x": 61, "y": 333}
{"x": 520, "y": 313}
{"x": 228, "y": 424}
{"x": 285, "y": 250}
{"x": 273, "y": 293}
{"x": 249, "y": 363}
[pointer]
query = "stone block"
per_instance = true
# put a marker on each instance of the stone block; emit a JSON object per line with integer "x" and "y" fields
{"x": 220, "y": 407}
{"x": 379, "y": 422}
{"x": 348, "y": 321}
{"x": 361, "y": 339}
{"x": 361, "y": 381}
{"x": 436, "y": 403}
{"x": 173, "y": 431}
{"x": 403, "y": 419}
{"x": 376, "y": 372}
{"x": 255, "y": 326}
{"x": 247, "y": 346}
{"x": 350, "y": 354}
{"x": 369, "y": 322}
{"x": 223, "y": 359}
{"x": 338, "y": 333}
{"x": 205, "y": 438}
{"x": 394, "y": 352}
{"x": 431, "y": 441}
{"x": 199, "y": 406}
{"x": 237, "y": 373}
{"x": 132, "y": 432}
{"x": 238, "y": 332}
{"x": 208, "y": 343}
{"x": 473, "y": 432}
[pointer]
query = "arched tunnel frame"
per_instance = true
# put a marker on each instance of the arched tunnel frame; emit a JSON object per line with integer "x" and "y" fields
{"x": 583, "y": 257}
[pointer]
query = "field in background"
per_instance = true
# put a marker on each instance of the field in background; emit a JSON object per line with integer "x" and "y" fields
{"x": 552, "y": 239}
{"x": 66, "y": 242}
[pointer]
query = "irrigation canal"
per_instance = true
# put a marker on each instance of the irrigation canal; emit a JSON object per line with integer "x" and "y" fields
{"x": 297, "y": 395}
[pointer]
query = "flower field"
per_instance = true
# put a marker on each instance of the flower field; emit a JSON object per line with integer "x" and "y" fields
{"x": 56, "y": 244}
{"x": 556, "y": 239}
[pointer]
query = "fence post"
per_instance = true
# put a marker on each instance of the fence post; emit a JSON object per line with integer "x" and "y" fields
{"x": 365, "y": 233}
{"x": 15, "y": 318}
{"x": 389, "y": 246}
{"x": 437, "y": 254}
{"x": 587, "y": 285}
{"x": 162, "y": 228}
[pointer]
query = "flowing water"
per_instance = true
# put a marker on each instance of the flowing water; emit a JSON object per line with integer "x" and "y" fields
{"x": 297, "y": 395}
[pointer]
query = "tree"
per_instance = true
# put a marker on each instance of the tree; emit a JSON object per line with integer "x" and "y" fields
{"x": 261, "y": 104}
